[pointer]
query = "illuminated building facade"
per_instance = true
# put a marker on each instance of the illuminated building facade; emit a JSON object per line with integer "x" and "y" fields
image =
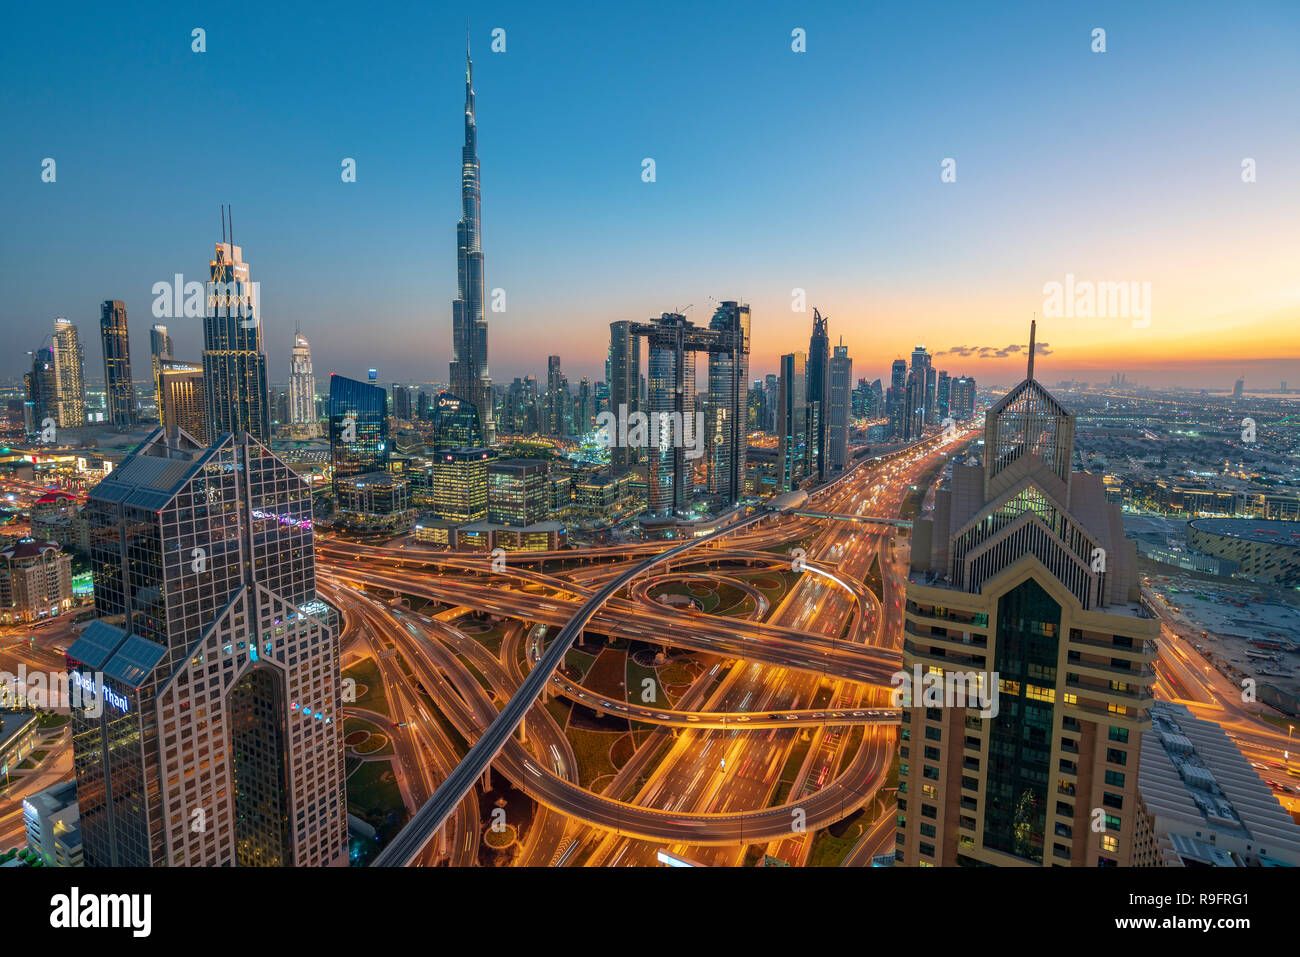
{"x": 181, "y": 401}
{"x": 1024, "y": 587}
{"x": 518, "y": 492}
{"x": 70, "y": 376}
{"x": 220, "y": 737}
{"x": 358, "y": 417}
{"x": 460, "y": 484}
{"x": 234, "y": 366}
{"x": 119, "y": 390}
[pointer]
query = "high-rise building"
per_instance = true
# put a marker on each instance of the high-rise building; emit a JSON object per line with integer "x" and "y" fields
{"x": 119, "y": 390}
{"x": 931, "y": 394}
{"x": 456, "y": 423}
{"x": 69, "y": 374}
{"x": 670, "y": 397}
{"x": 234, "y": 366}
{"x": 943, "y": 397}
{"x": 584, "y": 407}
{"x": 819, "y": 347}
{"x": 727, "y": 408}
{"x": 558, "y": 403}
{"x": 181, "y": 403}
{"x": 518, "y": 492}
{"x": 469, "y": 365}
{"x": 358, "y": 420}
{"x": 840, "y": 408}
{"x": 624, "y": 385}
{"x": 1024, "y": 593}
{"x": 35, "y": 581}
{"x": 43, "y": 390}
{"x": 460, "y": 484}
{"x": 961, "y": 400}
{"x": 160, "y": 350}
{"x": 792, "y": 421}
{"x": 302, "y": 385}
{"x": 220, "y": 741}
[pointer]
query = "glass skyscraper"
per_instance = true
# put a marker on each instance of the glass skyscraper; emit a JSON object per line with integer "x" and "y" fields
{"x": 234, "y": 366}
{"x": 358, "y": 416}
{"x": 469, "y": 365}
{"x": 118, "y": 388}
{"x": 216, "y": 664}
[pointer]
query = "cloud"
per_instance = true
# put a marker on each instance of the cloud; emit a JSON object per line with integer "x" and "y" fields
{"x": 993, "y": 352}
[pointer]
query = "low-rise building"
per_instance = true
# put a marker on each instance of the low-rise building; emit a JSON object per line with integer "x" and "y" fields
{"x": 1201, "y": 804}
{"x": 54, "y": 825}
{"x": 35, "y": 581}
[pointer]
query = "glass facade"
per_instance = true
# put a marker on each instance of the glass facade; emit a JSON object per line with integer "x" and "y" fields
{"x": 358, "y": 416}
{"x": 1020, "y": 736}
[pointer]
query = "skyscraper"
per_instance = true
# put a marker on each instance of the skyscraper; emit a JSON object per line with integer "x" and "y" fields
{"x": 160, "y": 350}
{"x": 302, "y": 385}
{"x": 43, "y": 390}
{"x": 1024, "y": 589}
{"x": 792, "y": 420}
{"x": 234, "y": 366}
{"x": 469, "y": 365}
{"x": 181, "y": 403}
{"x": 670, "y": 399}
{"x": 220, "y": 737}
{"x": 819, "y": 347}
{"x": 840, "y": 408}
{"x": 358, "y": 417}
{"x": 557, "y": 403}
{"x": 727, "y": 411}
{"x": 119, "y": 390}
{"x": 624, "y": 384}
{"x": 69, "y": 375}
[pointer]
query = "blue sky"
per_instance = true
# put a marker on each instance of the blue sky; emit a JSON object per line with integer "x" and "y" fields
{"x": 775, "y": 170}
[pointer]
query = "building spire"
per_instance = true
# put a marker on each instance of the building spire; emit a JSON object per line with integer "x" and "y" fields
{"x": 1033, "y": 323}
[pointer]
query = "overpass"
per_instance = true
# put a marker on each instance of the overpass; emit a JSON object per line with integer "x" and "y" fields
{"x": 404, "y": 848}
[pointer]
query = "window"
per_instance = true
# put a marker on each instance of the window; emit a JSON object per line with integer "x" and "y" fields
{"x": 931, "y": 754}
{"x": 1115, "y": 779}
{"x": 934, "y": 734}
{"x": 1109, "y": 843}
{"x": 1119, "y": 734}
{"x": 930, "y": 771}
{"x": 927, "y": 830}
{"x": 930, "y": 811}
{"x": 1112, "y": 800}
{"x": 1116, "y": 756}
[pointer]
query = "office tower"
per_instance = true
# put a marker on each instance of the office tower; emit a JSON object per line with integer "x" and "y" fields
{"x": 302, "y": 385}
{"x": 915, "y": 416}
{"x": 181, "y": 403}
{"x": 469, "y": 365}
{"x": 840, "y": 408}
{"x": 43, "y": 390}
{"x": 931, "y": 398}
{"x": 726, "y": 411}
{"x": 624, "y": 385}
{"x": 585, "y": 407}
{"x": 519, "y": 492}
{"x": 792, "y": 420}
{"x": 160, "y": 350}
{"x": 456, "y": 423}
{"x": 896, "y": 400}
{"x": 69, "y": 375}
{"x": 358, "y": 417}
{"x": 119, "y": 390}
{"x": 670, "y": 402}
{"x": 771, "y": 389}
{"x": 818, "y": 395}
{"x": 234, "y": 366}
{"x": 1239, "y": 388}
{"x": 280, "y": 407}
{"x": 557, "y": 398}
{"x": 401, "y": 401}
{"x": 217, "y": 665}
{"x": 1025, "y": 589}
{"x": 962, "y": 398}
{"x": 1201, "y": 804}
{"x": 942, "y": 397}
{"x": 460, "y": 484}
{"x": 422, "y": 406}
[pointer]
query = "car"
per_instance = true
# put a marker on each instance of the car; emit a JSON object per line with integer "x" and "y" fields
{"x": 791, "y": 717}
{"x": 692, "y": 717}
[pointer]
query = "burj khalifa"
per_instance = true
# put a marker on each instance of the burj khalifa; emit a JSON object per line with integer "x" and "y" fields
{"x": 470, "y": 380}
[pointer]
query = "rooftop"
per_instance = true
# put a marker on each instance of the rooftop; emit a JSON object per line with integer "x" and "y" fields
{"x": 1251, "y": 529}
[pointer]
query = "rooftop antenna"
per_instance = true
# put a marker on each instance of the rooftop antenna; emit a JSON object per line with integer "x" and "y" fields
{"x": 231, "y": 215}
{"x": 1033, "y": 324}
{"x": 223, "y": 224}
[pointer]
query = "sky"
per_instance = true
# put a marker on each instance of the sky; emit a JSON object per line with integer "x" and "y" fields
{"x": 775, "y": 170}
